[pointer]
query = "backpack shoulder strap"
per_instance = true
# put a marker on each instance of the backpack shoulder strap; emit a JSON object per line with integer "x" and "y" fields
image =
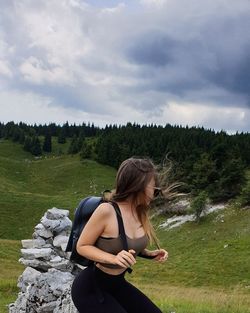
{"x": 121, "y": 228}
{"x": 121, "y": 225}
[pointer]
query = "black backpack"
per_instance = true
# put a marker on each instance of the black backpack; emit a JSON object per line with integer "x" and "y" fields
{"x": 82, "y": 214}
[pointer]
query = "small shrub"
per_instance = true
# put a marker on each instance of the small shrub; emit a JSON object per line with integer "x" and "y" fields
{"x": 244, "y": 197}
{"x": 198, "y": 204}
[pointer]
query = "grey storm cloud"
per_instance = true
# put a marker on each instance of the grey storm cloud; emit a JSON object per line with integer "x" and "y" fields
{"x": 97, "y": 58}
{"x": 153, "y": 48}
{"x": 218, "y": 56}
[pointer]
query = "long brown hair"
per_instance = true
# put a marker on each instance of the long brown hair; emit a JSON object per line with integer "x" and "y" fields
{"x": 132, "y": 178}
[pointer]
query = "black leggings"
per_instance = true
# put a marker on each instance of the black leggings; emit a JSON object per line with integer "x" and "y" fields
{"x": 94, "y": 291}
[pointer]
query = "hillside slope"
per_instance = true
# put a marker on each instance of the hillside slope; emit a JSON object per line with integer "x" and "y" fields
{"x": 29, "y": 186}
{"x": 215, "y": 252}
{"x": 206, "y": 261}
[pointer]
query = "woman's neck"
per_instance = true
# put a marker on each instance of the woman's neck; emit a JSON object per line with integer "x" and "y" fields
{"x": 127, "y": 205}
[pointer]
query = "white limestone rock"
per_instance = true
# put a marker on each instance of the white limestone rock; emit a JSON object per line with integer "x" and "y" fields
{"x": 60, "y": 241}
{"x": 56, "y": 214}
{"x": 49, "y": 292}
{"x": 35, "y": 253}
{"x": 28, "y": 277}
{"x": 35, "y": 263}
{"x": 58, "y": 281}
{"x": 47, "y": 307}
{"x": 20, "y": 305}
{"x": 65, "y": 303}
{"x": 64, "y": 265}
{"x": 63, "y": 247}
{"x": 33, "y": 243}
{"x": 56, "y": 259}
{"x": 41, "y": 231}
{"x": 56, "y": 226}
{"x": 45, "y": 285}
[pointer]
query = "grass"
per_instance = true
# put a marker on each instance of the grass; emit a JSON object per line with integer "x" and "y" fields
{"x": 170, "y": 297}
{"x": 30, "y": 186}
{"x": 9, "y": 272}
{"x": 197, "y": 300}
{"x": 201, "y": 275}
{"x": 214, "y": 253}
{"x": 208, "y": 266}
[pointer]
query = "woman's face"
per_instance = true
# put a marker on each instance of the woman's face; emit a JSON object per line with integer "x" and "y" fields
{"x": 149, "y": 190}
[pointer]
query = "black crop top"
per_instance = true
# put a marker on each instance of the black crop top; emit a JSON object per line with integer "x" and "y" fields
{"x": 114, "y": 246}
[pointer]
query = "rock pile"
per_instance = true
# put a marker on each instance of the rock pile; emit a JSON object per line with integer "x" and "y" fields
{"x": 46, "y": 282}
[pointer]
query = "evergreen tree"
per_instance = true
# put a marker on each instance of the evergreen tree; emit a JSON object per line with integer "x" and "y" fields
{"x": 245, "y": 194}
{"x": 47, "y": 145}
{"x": 21, "y": 136}
{"x": 35, "y": 146}
{"x": 232, "y": 177}
{"x": 204, "y": 159}
{"x": 124, "y": 152}
{"x": 62, "y": 135}
{"x": 80, "y": 140}
{"x": 198, "y": 205}
{"x": 203, "y": 174}
{"x": 52, "y": 129}
{"x": 102, "y": 147}
{"x": 16, "y": 134}
{"x": 86, "y": 150}
{"x": 74, "y": 146}
{"x": 9, "y": 130}
{"x": 66, "y": 129}
{"x": 1, "y": 129}
{"x": 27, "y": 143}
{"x": 218, "y": 154}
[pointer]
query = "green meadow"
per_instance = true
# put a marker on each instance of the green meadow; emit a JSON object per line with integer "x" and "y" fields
{"x": 208, "y": 267}
{"x": 29, "y": 186}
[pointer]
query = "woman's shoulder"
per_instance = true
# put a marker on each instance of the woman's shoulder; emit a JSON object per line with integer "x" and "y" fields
{"x": 105, "y": 209}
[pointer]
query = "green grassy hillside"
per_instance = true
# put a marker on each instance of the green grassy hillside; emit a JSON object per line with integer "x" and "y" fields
{"x": 214, "y": 253}
{"x": 200, "y": 276}
{"x": 29, "y": 186}
{"x": 208, "y": 266}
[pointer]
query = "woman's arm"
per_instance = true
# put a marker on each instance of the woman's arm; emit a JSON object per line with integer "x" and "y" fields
{"x": 92, "y": 230}
{"x": 159, "y": 254}
{"x": 146, "y": 254}
{"x": 90, "y": 233}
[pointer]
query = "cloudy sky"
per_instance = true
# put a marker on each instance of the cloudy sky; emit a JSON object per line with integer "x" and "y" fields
{"x": 183, "y": 62}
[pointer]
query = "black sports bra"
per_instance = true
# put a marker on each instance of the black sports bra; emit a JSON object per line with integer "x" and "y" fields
{"x": 114, "y": 246}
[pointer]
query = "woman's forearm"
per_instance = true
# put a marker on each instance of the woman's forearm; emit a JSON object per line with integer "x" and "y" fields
{"x": 145, "y": 252}
{"x": 95, "y": 254}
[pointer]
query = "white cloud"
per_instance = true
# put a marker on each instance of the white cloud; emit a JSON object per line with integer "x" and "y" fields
{"x": 5, "y": 69}
{"x": 110, "y": 64}
{"x": 115, "y": 9}
{"x": 58, "y": 30}
{"x": 35, "y": 71}
{"x": 31, "y": 108}
{"x": 209, "y": 116}
{"x": 158, "y": 3}
{"x": 38, "y": 109}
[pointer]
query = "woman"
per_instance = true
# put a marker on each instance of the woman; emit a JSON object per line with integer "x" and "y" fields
{"x": 100, "y": 241}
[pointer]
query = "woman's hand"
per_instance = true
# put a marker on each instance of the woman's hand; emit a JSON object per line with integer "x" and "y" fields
{"x": 161, "y": 255}
{"x": 125, "y": 258}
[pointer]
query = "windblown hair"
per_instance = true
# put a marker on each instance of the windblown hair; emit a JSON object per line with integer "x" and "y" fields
{"x": 166, "y": 180}
{"x": 132, "y": 178}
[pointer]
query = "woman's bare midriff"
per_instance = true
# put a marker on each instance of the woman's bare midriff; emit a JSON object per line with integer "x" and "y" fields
{"x": 111, "y": 271}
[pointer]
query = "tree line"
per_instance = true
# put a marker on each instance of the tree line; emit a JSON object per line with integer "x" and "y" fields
{"x": 30, "y": 135}
{"x": 204, "y": 160}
